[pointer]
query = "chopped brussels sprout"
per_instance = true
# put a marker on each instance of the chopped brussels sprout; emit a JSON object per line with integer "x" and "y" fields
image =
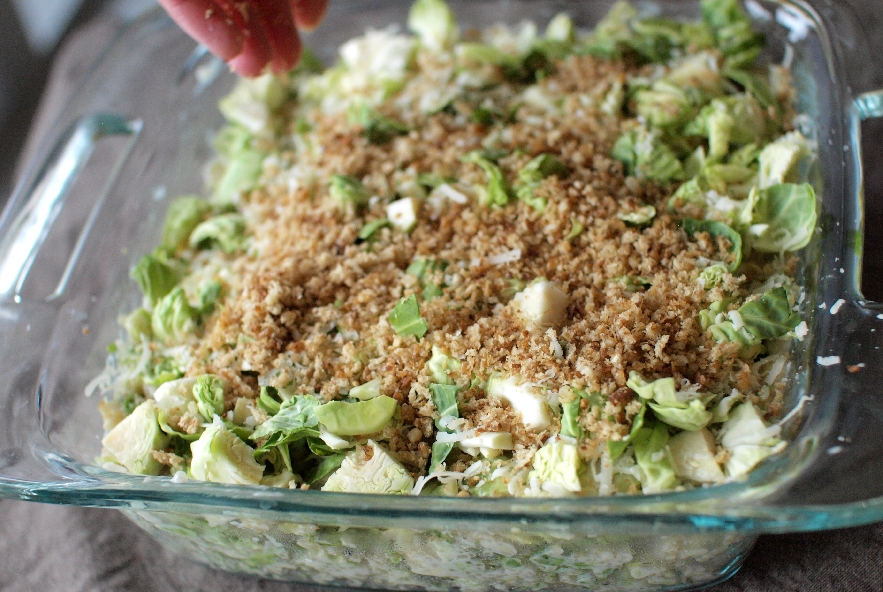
{"x": 748, "y": 439}
{"x": 137, "y": 324}
{"x": 227, "y": 231}
{"x": 692, "y": 456}
{"x": 699, "y": 74}
{"x": 651, "y": 453}
{"x": 641, "y": 216}
{"x": 241, "y": 174}
{"x": 525, "y": 398}
{"x": 132, "y": 441}
{"x": 770, "y": 316}
{"x": 717, "y": 229}
{"x": 173, "y": 319}
{"x": 576, "y": 229}
{"x": 348, "y": 191}
{"x": 378, "y": 129}
{"x": 370, "y": 469}
{"x": 713, "y": 275}
{"x": 184, "y": 214}
{"x": 221, "y": 456}
{"x": 561, "y": 28}
{"x": 497, "y": 191}
{"x": 253, "y": 101}
{"x": 368, "y": 230}
{"x": 440, "y": 366}
{"x": 632, "y": 284}
{"x": 684, "y": 409}
{"x": 692, "y": 417}
{"x": 296, "y": 419}
{"x": 489, "y": 444}
{"x": 542, "y": 304}
{"x": 785, "y": 217}
{"x": 156, "y": 277}
{"x": 613, "y": 30}
{"x": 645, "y": 155}
{"x": 663, "y": 391}
{"x": 570, "y": 411}
{"x": 779, "y": 159}
{"x": 664, "y": 104}
{"x": 532, "y": 175}
{"x": 434, "y": 23}
{"x": 738, "y": 119}
{"x": 333, "y": 441}
{"x": 269, "y": 400}
{"x": 369, "y": 390}
{"x": 617, "y": 447}
{"x": 209, "y": 394}
{"x": 444, "y": 397}
{"x": 354, "y": 419}
{"x": 405, "y": 318}
{"x": 614, "y": 99}
{"x": 557, "y": 465}
{"x": 733, "y": 33}
{"x": 440, "y": 452}
{"x": 172, "y": 397}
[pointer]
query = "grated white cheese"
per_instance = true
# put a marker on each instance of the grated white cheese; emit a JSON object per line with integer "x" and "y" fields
{"x": 556, "y": 348}
{"x": 499, "y": 258}
{"x": 797, "y": 24}
{"x": 180, "y": 477}
{"x": 736, "y": 319}
{"x": 828, "y": 360}
{"x": 452, "y": 194}
{"x": 454, "y": 437}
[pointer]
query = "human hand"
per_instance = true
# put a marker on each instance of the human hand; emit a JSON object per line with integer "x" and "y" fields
{"x": 249, "y": 34}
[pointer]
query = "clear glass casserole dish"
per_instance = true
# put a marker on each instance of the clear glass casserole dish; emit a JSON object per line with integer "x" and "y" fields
{"x": 141, "y": 123}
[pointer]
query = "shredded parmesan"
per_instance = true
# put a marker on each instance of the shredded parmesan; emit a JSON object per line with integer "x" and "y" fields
{"x": 827, "y": 360}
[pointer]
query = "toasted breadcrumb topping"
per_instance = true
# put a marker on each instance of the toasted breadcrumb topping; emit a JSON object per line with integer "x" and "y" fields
{"x": 311, "y": 309}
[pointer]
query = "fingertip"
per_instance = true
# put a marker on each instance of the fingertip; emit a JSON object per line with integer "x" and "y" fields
{"x": 277, "y": 24}
{"x": 207, "y": 23}
{"x": 224, "y": 41}
{"x": 308, "y": 14}
{"x": 284, "y": 63}
{"x": 248, "y": 64}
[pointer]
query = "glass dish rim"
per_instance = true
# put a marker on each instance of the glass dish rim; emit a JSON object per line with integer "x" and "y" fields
{"x": 730, "y": 506}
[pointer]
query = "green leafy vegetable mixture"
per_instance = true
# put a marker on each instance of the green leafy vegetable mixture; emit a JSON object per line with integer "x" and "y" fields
{"x": 506, "y": 262}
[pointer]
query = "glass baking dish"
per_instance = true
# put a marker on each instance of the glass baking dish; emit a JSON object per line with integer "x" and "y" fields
{"x": 137, "y": 133}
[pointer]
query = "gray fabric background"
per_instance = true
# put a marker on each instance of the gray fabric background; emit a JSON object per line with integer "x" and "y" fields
{"x": 69, "y": 549}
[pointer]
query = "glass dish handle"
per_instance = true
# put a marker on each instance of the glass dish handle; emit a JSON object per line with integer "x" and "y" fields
{"x": 36, "y": 204}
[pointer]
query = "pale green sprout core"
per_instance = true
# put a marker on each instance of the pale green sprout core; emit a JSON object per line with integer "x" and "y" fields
{"x": 173, "y": 319}
{"x": 209, "y": 394}
{"x": 557, "y": 465}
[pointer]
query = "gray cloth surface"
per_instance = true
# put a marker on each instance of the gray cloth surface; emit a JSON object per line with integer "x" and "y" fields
{"x": 54, "y": 548}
